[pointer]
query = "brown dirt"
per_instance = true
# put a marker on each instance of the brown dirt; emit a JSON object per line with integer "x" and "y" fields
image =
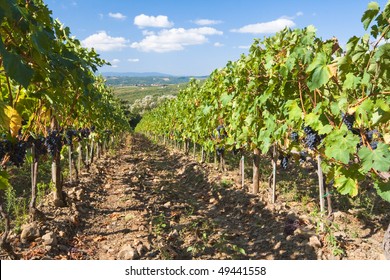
{"x": 148, "y": 202}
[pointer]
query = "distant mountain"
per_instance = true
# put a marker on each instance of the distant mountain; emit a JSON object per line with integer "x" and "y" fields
{"x": 145, "y": 79}
{"x": 135, "y": 74}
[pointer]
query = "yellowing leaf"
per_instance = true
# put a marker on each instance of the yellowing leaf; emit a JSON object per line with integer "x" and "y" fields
{"x": 14, "y": 120}
{"x": 386, "y": 137}
{"x": 333, "y": 69}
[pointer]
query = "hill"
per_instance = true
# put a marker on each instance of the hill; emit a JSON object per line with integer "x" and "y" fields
{"x": 146, "y": 79}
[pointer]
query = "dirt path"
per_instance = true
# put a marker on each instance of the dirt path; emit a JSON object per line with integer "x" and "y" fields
{"x": 150, "y": 203}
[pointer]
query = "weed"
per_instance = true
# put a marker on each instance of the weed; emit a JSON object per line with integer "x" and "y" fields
{"x": 226, "y": 183}
{"x": 159, "y": 223}
{"x": 17, "y": 208}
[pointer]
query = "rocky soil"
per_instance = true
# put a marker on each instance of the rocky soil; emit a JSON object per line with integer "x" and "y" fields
{"x": 149, "y": 202}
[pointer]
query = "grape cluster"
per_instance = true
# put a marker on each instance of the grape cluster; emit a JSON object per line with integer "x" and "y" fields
{"x": 235, "y": 151}
{"x": 369, "y": 136}
{"x": 302, "y": 157}
{"x": 40, "y": 148}
{"x": 312, "y": 139}
{"x": 284, "y": 162}
{"x": 5, "y": 147}
{"x": 69, "y": 136}
{"x": 53, "y": 142}
{"x": 294, "y": 136}
{"x": 348, "y": 120}
{"x": 221, "y": 132}
{"x": 84, "y": 132}
{"x": 220, "y": 151}
{"x": 18, "y": 153}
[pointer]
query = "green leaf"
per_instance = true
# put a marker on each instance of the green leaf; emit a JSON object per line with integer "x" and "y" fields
{"x": 206, "y": 110}
{"x": 325, "y": 129}
{"x": 4, "y": 183}
{"x": 340, "y": 144}
{"x": 320, "y": 72}
{"x": 383, "y": 190}
{"x": 15, "y": 68}
{"x": 346, "y": 181}
{"x": 378, "y": 159}
{"x": 293, "y": 110}
{"x": 369, "y": 14}
{"x": 351, "y": 81}
{"x": 226, "y": 98}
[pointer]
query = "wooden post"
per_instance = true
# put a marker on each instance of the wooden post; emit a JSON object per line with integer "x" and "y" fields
{"x": 274, "y": 159}
{"x": 70, "y": 163}
{"x": 34, "y": 174}
{"x": 203, "y": 156}
{"x": 320, "y": 184}
{"x": 194, "y": 151}
{"x": 256, "y": 172}
{"x": 242, "y": 171}
{"x": 80, "y": 150}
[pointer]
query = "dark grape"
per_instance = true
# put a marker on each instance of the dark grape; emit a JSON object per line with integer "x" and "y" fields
{"x": 370, "y": 134}
{"x": 18, "y": 153}
{"x": 348, "y": 120}
{"x": 69, "y": 136}
{"x": 220, "y": 151}
{"x": 302, "y": 157}
{"x": 84, "y": 132}
{"x": 374, "y": 145}
{"x": 221, "y": 132}
{"x": 312, "y": 139}
{"x": 5, "y": 147}
{"x": 235, "y": 151}
{"x": 308, "y": 130}
{"x": 294, "y": 136}
{"x": 284, "y": 162}
{"x": 40, "y": 148}
{"x": 53, "y": 142}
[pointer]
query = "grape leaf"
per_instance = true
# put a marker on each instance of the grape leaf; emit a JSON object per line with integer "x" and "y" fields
{"x": 346, "y": 185}
{"x": 15, "y": 68}
{"x": 383, "y": 190}
{"x": 369, "y": 14}
{"x": 4, "y": 183}
{"x": 378, "y": 159}
{"x": 351, "y": 81}
{"x": 320, "y": 72}
{"x": 340, "y": 144}
{"x": 226, "y": 98}
{"x": 293, "y": 110}
{"x": 346, "y": 180}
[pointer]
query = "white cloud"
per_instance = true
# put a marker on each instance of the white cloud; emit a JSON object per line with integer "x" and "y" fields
{"x": 207, "y": 22}
{"x": 117, "y": 16}
{"x": 266, "y": 27}
{"x": 299, "y": 14}
{"x": 101, "y": 16}
{"x": 244, "y": 47}
{"x": 114, "y": 63}
{"x": 175, "y": 39}
{"x": 133, "y": 60}
{"x": 218, "y": 44}
{"x": 147, "y": 32}
{"x": 101, "y": 41}
{"x": 152, "y": 21}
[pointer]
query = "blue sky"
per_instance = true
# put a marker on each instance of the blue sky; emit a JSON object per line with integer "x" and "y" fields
{"x": 195, "y": 37}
